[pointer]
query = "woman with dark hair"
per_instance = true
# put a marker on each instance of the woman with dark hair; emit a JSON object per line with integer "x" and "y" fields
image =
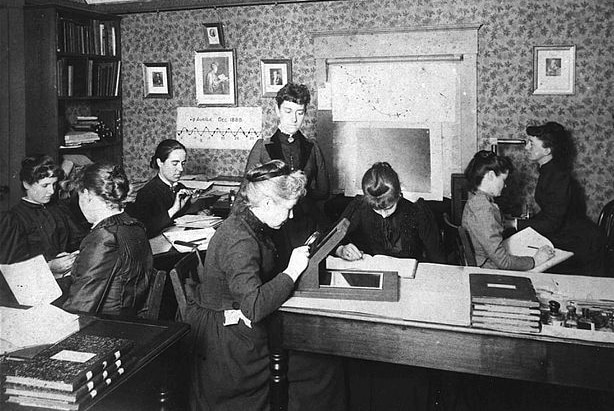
{"x": 163, "y": 198}
{"x": 112, "y": 273}
{"x": 38, "y": 224}
{"x": 383, "y": 222}
{"x": 562, "y": 210}
{"x": 240, "y": 289}
{"x": 486, "y": 175}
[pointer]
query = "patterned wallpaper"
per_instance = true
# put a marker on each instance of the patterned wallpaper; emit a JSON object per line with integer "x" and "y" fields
{"x": 505, "y": 103}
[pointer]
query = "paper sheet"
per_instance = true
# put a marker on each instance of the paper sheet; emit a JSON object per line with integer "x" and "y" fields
{"x": 526, "y": 243}
{"x": 31, "y": 281}
{"x": 406, "y": 267}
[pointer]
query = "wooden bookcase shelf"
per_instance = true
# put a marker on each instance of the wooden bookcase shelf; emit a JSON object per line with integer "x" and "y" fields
{"x": 73, "y": 68}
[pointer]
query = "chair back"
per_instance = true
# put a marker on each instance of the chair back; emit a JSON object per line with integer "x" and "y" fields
{"x": 154, "y": 297}
{"x": 606, "y": 223}
{"x": 464, "y": 251}
{"x": 185, "y": 277}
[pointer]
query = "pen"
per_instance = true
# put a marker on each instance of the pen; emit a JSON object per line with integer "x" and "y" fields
{"x": 193, "y": 243}
{"x": 533, "y": 247}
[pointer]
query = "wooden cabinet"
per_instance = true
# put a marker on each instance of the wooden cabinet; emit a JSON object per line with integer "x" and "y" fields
{"x": 73, "y": 67}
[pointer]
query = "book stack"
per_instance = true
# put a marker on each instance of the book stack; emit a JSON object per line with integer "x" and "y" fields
{"x": 69, "y": 374}
{"x": 85, "y": 123}
{"x": 504, "y": 303}
{"x": 78, "y": 137}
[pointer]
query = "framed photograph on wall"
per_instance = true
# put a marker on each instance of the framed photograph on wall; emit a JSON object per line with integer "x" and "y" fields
{"x": 216, "y": 77}
{"x": 157, "y": 81}
{"x": 214, "y": 35}
{"x": 274, "y": 75}
{"x": 554, "y": 69}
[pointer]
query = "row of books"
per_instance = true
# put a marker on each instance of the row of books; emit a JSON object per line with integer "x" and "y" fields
{"x": 79, "y": 78}
{"x": 504, "y": 303}
{"x": 68, "y": 375}
{"x": 87, "y": 37}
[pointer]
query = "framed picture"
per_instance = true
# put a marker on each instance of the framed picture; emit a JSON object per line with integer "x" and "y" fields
{"x": 274, "y": 75}
{"x": 554, "y": 69}
{"x": 157, "y": 81}
{"x": 216, "y": 77}
{"x": 214, "y": 35}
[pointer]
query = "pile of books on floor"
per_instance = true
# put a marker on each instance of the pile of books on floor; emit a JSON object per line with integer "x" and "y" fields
{"x": 69, "y": 374}
{"x": 504, "y": 303}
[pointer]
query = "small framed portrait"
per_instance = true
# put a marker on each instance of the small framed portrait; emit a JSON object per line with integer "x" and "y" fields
{"x": 216, "y": 77}
{"x": 157, "y": 81}
{"x": 214, "y": 35}
{"x": 554, "y": 69}
{"x": 274, "y": 75}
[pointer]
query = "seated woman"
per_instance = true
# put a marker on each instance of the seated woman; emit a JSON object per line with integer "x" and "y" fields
{"x": 111, "y": 274}
{"x": 383, "y": 222}
{"x": 486, "y": 175}
{"x": 562, "y": 211}
{"x": 239, "y": 291}
{"x": 163, "y": 198}
{"x": 39, "y": 224}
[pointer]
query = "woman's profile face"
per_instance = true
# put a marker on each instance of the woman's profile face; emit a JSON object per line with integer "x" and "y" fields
{"x": 41, "y": 191}
{"x": 277, "y": 212}
{"x": 85, "y": 202}
{"x": 536, "y": 150}
{"x": 171, "y": 169}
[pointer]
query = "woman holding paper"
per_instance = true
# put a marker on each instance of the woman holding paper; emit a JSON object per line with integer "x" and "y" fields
{"x": 486, "y": 175}
{"x": 163, "y": 198}
{"x": 241, "y": 288}
{"x": 111, "y": 274}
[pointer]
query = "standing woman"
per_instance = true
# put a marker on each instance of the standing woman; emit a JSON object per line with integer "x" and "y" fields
{"x": 163, "y": 198}
{"x": 38, "y": 223}
{"x": 486, "y": 175}
{"x": 238, "y": 292}
{"x": 112, "y": 273}
{"x": 562, "y": 215}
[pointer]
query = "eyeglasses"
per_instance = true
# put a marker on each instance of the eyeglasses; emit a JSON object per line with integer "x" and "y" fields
{"x": 263, "y": 173}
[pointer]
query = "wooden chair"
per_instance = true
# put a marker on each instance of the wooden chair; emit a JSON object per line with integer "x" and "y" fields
{"x": 465, "y": 252}
{"x": 154, "y": 297}
{"x": 184, "y": 277}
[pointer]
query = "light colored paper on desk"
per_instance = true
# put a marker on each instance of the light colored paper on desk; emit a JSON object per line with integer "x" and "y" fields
{"x": 406, "y": 267}
{"x": 42, "y": 324}
{"x": 31, "y": 281}
{"x": 197, "y": 221}
{"x": 196, "y": 184}
{"x": 203, "y": 235}
{"x": 527, "y": 241}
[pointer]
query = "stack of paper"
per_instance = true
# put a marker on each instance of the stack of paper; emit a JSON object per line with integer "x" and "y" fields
{"x": 198, "y": 221}
{"x": 526, "y": 243}
{"x": 504, "y": 303}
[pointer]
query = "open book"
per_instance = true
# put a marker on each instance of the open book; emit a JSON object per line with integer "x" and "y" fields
{"x": 406, "y": 267}
{"x": 526, "y": 243}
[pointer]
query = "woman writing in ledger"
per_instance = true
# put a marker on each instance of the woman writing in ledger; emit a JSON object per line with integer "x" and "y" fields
{"x": 111, "y": 274}
{"x": 486, "y": 175}
{"x": 562, "y": 211}
{"x": 383, "y": 222}
{"x": 38, "y": 224}
{"x": 239, "y": 290}
{"x": 163, "y": 198}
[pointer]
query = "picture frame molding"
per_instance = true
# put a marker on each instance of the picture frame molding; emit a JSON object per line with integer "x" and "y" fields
{"x": 561, "y": 78}
{"x": 266, "y": 68}
{"x": 150, "y": 89}
{"x": 219, "y": 29}
{"x": 227, "y": 63}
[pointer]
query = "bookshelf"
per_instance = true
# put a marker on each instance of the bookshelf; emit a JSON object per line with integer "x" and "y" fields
{"x": 73, "y": 70}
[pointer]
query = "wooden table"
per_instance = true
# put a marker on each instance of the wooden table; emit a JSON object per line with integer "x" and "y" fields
{"x": 378, "y": 335}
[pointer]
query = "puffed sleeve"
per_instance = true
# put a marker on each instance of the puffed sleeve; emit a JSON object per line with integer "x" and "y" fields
{"x": 241, "y": 259}
{"x": 151, "y": 211}
{"x": 320, "y": 185}
{"x": 486, "y": 233}
{"x": 428, "y": 230}
{"x": 256, "y": 155}
{"x": 91, "y": 271}
{"x": 13, "y": 244}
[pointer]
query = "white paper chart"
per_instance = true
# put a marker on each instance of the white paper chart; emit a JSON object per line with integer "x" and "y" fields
{"x": 219, "y": 127}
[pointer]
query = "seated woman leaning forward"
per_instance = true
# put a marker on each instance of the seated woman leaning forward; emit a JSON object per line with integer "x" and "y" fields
{"x": 163, "y": 198}
{"x": 486, "y": 175}
{"x": 240, "y": 289}
{"x": 383, "y": 222}
{"x": 112, "y": 273}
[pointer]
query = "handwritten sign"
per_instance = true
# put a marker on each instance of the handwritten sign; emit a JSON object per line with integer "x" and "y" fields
{"x": 219, "y": 127}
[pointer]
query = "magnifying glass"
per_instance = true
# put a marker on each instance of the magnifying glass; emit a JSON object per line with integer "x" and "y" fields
{"x": 312, "y": 239}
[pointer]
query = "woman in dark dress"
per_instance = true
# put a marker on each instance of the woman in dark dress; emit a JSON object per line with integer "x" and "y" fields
{"x": 562, "y": 215}
{"x": 239, "y": 290}
{"x": 163, "y": 198}
{"x": 112, "y": 273}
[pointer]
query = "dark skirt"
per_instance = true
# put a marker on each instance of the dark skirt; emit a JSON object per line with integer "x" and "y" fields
{"x": 229, "y": 366}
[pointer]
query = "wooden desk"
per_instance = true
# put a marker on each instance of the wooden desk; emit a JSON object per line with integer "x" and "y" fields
{"x": 536, "y": 357}
{"x": 152, "y": 338}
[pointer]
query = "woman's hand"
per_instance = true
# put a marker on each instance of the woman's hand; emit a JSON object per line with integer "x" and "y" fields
{"x": 182, "y": 197}
{"x": 543, "y": 254}
{"x": 298, "y": 262}
{"x": 61, "y": 265}
{"x": 349, "y": 252}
